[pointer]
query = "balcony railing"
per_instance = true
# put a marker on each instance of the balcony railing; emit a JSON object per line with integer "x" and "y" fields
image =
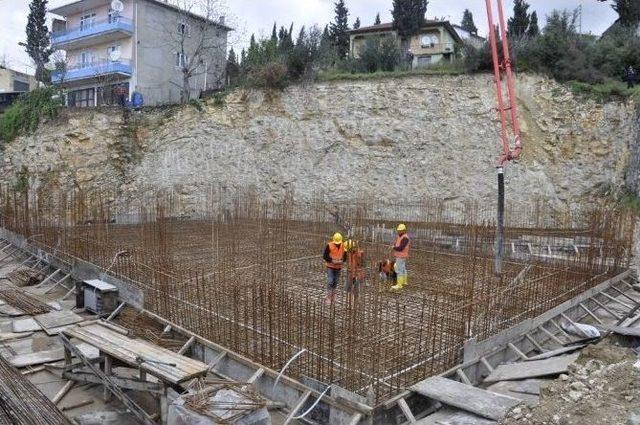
{"x": 88, "y": 29}
{"x": 439, "y": 47}
{"x": 93, "y": 70}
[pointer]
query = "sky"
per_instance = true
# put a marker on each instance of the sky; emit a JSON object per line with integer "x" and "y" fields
{"x": 258, "y": 16}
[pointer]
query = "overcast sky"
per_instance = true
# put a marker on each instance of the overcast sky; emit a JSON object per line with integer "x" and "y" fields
{"x": 257, "y": 16}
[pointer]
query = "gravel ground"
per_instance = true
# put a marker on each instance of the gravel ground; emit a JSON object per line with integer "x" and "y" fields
{"x": 602, "y": 387}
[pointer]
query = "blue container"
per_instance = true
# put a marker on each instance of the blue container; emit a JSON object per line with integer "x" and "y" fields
{"x": 137, "y": 101}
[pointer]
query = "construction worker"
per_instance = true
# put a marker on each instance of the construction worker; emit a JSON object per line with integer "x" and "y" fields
{"x": 401, "y": 253}
{"x": 334, "y": 257}
{"x": 387, "y": 273}
{"x": 355, "y": 262}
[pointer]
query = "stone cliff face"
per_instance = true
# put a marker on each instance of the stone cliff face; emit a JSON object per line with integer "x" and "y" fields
{"x": 408, "y": 138}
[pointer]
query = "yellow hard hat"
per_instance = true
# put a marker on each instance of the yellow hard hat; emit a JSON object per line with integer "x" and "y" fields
{"x": 337, "y": 238}
{"x": 401, "y": 227}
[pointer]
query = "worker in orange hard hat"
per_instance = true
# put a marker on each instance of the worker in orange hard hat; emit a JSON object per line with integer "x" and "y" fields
{"x": 401, "y": 253}
{"x": 334, "y": 257}
{"x": 355, "y": 262}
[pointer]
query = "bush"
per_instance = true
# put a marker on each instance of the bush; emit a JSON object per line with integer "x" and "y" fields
{"x": 272, "y": 75}
{"x": 26, "y": 112}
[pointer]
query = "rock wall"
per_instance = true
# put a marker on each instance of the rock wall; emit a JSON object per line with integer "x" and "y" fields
{"x": 410, "y": 138}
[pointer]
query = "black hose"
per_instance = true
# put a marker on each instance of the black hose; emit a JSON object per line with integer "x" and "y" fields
{"x": 499, "y": 248}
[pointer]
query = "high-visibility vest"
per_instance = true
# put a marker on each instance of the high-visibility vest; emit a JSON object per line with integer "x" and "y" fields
{"x": 354, "y": 260}
{"x": 336, "y": 252}
{"x": 405, "y": 252}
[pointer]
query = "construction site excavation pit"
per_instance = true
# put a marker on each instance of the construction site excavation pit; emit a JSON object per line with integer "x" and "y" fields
{"x": 248, "y": 275}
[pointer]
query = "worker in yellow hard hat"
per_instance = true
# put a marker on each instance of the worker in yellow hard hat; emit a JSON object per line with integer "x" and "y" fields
{"x": 355, "y": 262}
{"x": 334, "y": 256}
{"x": 401, "y": 253}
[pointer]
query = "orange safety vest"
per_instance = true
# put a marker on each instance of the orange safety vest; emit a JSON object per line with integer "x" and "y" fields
{"x": 336, "y": 252}
{"x": 355, "y": 262}
{"x": 405, "y": 252}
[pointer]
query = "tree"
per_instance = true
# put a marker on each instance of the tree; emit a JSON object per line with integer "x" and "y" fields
{"x": 534, "y": 29}
{"x": 197, "y": 40}
{"x": 274, "y": 34}
{"x": 378, "y": 21}
{"x": 409, "y": 16}
{"x": 340, "y": 28}
{"x": 467, "y": 22}
{"x": 233, "y": 68}
{"x": 37, "y": 45}
{"x": 628, "y": 11}
{"x": 517, "y": 25}
{"x": 357, "y": 23}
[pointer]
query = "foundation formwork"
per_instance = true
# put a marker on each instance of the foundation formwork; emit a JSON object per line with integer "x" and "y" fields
{"x": 248, "y": 275}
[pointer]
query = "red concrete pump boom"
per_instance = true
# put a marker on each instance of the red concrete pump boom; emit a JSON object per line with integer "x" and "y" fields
{"x": 502, "y": 66}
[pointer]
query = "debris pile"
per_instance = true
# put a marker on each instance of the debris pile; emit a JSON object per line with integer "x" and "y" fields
{"x": 603, "y": 386}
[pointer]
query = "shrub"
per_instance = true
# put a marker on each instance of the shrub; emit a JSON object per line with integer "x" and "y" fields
{"x": 26, "y": 112}
{"x": 272, "y": 75}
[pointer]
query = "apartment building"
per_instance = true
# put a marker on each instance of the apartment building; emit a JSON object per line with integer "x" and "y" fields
{"x": 115, "y": 48}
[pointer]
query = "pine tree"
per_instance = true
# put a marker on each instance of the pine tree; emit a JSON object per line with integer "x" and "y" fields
{"x": 534, "y": 29}
{"x": 37, "y": 45}
{"x": 357, "y": 23}
{"x": 409, "y": 16}
{"x": 467, "y": 22}
{"x": 378, "y": 21}
{"x": 274, "y": 34}
{"x": 340, "y": 28}
{"x": 233, "y": 69}
{"x": 517, "y": 25}
{"x": 628, "y": 11}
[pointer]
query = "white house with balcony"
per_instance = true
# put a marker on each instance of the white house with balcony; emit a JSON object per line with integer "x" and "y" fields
{"x": 126, "y": 46}
{"x": 436, "y": 41}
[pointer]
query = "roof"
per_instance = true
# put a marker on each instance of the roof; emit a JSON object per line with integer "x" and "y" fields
{"x": 476, "y": 36}
{"x": 83, "y": 5}
{"x": 101, "y": 285}
{"x": 388, "y": 26}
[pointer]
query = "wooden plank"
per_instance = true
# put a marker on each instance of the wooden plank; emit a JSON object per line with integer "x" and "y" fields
{"x": 623, "y": 330}
{"x": 187, "y": 345}
{"x": 57, "y": 319}
{"x": 554, "y": 353}
{"x": 402, "y": 403}
{"x": 126, "y": 383}
{"x": 449, "y": 416}
{"x": 531, "y": 369}
{"x": 159, "y": 362}
{"x": 301, "y": 401}
{"x": 10, "y": 336}
{"x": 134, "y": 408}
{"x": 466, "y": 397}
{"x": 48, "y": 356}
{"x": 25, "y": 325}
{"x": 11, "y": 311}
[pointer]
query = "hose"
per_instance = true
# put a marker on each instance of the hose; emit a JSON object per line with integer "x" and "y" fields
{"x": 499, "y": 247}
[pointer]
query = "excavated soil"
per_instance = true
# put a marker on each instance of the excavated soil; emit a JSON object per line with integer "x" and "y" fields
{"x": 602, "y": 387}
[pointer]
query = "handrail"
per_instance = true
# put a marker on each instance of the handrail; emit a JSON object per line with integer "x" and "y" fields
{"x": 88, "y": 27}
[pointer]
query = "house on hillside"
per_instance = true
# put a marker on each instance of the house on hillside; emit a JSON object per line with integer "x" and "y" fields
{"x": 437, "y": 41}
{"x": 134, "y": 48}
{"x": 13, "y": 84}
{"x": 15, "y": 81}
{"x": 470, "y": 38}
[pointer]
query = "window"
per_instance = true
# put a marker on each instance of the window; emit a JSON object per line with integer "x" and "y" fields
{"x": 82, "y": 98}
{"x": 113, "y": 16}
{"x": 424, "y": 61}
{"x": 86, "y": 59}
{"x": 113, "y": 52}
{"x": 428, "y": 41}
{"x": 182, "y": 60}
{"x": 183, "y": 29}
{"x": 87, "y": 21}
{"x": 20, "y": 85}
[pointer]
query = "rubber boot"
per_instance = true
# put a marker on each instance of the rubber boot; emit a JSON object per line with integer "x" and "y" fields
{"x": 400, "y": 283}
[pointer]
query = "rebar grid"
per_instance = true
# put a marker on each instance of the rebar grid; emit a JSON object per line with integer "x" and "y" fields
{"x": 248, "y": 274}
